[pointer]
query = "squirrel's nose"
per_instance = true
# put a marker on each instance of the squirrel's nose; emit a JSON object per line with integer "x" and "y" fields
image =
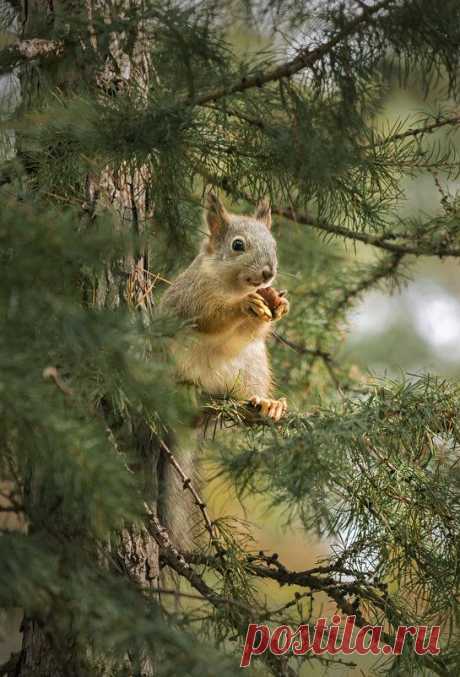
{"x": 267, "y": 272}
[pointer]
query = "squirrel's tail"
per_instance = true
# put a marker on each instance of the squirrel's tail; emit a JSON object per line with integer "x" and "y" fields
{"x": 176, "y": 507}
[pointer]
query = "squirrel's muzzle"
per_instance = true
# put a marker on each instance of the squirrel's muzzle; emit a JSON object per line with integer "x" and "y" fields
{"x": 267, "y": 273}
{"x": 261, "y": 276}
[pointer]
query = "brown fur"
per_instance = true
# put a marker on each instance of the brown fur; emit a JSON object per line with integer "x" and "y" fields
{"x": 224, "y": 350}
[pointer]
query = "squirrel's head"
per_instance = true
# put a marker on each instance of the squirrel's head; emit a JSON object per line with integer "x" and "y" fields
{"x": 242, "y": 246}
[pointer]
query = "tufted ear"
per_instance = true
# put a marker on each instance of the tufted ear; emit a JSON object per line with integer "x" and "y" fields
{"x": 217, "y": 216}
{"x": 264, "y": 213}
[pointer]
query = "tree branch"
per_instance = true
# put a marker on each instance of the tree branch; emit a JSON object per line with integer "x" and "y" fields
{"x": 384, "y": 241}
{"x": 417, "y": 131}
{"x": 305, "y": 58}
{"x": 177, "y": 562}
{"x": 386, "y": 268}
{"x": 27, "y": 50}
{"x": 319, "y": 580}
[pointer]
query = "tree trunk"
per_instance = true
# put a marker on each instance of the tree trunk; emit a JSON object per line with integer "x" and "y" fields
{"x": 126, "y": 281}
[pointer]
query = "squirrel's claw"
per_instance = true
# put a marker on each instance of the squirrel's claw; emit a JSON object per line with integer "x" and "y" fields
{"x": 255, "y": 305}
{"x": 282, "y": 309}
{"x": 274, "y": 409}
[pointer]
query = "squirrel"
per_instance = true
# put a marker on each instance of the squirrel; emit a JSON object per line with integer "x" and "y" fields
{"x": 223, "y": 350}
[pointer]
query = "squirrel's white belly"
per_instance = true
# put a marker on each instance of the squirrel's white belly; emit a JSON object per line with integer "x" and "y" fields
{"x": 221, "y": 370}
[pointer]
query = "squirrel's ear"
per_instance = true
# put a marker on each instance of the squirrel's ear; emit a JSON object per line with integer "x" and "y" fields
{"x": 217, "y": 216}
{"x": 264, "y": 213}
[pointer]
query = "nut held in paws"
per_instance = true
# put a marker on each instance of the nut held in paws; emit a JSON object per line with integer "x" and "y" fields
{"x": 272, "y": 297}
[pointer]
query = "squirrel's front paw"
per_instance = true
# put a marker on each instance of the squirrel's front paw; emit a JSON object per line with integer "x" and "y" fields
{"x": 276, "y": 301}
{"x": 254, "y": 305}
{"x": 274, "y": 409}
{"x": 281, "y": 309}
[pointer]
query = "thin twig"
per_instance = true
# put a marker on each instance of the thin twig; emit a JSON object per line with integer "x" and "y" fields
{"x": 302, "y": 350}
{"x": 417, "y": 131}
{"x": 314, "y": 352}
{"x": 386, "y": 268}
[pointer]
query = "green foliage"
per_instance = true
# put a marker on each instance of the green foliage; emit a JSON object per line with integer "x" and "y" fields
{"x": 102, "y": 199}
{"x": 60, "y": 465}
{"x": 403, "y": 438}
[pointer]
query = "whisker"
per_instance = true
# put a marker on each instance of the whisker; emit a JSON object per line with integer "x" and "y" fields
{"x": 280, "y": 272}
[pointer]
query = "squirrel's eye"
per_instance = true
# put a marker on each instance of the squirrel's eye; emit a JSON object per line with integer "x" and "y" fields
{"x": 238, "y": 245}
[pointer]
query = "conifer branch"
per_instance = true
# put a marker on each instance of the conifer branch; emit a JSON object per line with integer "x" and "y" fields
{"x": 384, "y": 241}
{"x": 232, "y": 112}
{"x": 176, "y": 560}
{"x": 318, "y": 579}
{"x": 314, "y": 353}
{"x": 376, "y": 474}
{"x": 387, "y": 241}
{"x": 305, "y": 58}
{"x": 386, "y": 268}
{"x": 337, "y": 591}
{"x": 453, "y": 120}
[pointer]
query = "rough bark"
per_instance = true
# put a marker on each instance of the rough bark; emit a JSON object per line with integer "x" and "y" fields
{"x": 126, "y": 281}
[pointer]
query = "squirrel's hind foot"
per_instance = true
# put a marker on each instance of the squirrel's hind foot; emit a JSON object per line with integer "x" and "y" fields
{"x": 274, "y": 409}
